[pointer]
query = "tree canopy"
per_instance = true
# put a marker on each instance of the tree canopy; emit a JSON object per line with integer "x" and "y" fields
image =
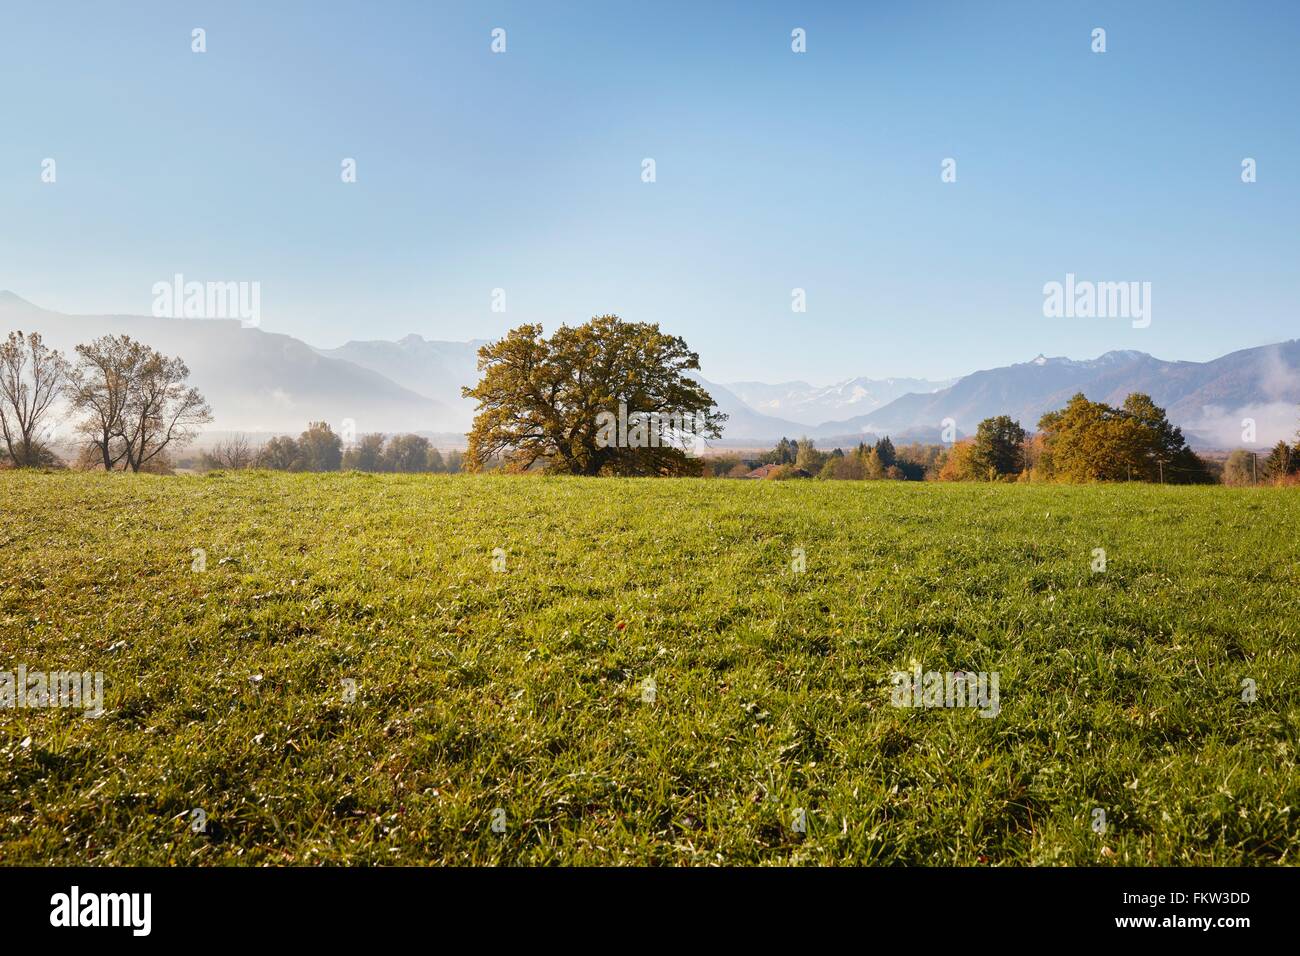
{"x": 606, "y": 397}
{"x": 999, "y": 448}
{"x": 1093, "y": 441}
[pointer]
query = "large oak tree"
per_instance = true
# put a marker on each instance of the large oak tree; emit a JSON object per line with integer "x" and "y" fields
{"x": 548, "y": 402}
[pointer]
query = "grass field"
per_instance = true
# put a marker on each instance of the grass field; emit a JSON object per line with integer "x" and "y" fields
{"x": 520, "y": 696}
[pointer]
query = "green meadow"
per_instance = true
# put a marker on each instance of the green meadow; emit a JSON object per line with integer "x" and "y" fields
{"x": 455, "y": 669}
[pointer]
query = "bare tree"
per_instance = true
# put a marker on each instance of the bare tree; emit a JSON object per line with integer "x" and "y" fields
{"x": 32, "y": 377}
{"x": 232, "y": 455}
{"x": 101, "y": 385}
{"x": 161, "y": 410}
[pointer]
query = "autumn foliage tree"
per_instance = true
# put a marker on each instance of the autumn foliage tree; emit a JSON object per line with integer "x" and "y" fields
{"x": 959, "y": 463}
{"x": 1093, "y": 441}
{"x": 548, "y": 402}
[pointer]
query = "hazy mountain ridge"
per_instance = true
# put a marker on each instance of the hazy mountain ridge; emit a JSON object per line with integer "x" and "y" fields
{"x": 254, "y": 380}
{"x": 1207, "y": 399}
{"x": 812, "y": 405}
{"x": 434, "y": 369}
{"x": 744, "y": 424}
{"x": 266, "y": 381}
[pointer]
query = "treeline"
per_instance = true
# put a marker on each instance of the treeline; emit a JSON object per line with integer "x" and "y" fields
{"x": 865, "y": 462}
{"x": 122, "y": 405}
{"x": 1083, "y": 442}
{"x": 319, "y": 448}
{"x": 803, "y": 459}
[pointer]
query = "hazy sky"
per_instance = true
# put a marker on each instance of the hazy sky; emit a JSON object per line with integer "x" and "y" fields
{"x": 775, "y": 170}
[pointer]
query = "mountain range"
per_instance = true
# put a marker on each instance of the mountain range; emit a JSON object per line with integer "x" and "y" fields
{"x": 262, "y": 381}
{"x": 1209, "y": 400}
{"x": 811, "y": 405}
{"x": 254, "y": 380}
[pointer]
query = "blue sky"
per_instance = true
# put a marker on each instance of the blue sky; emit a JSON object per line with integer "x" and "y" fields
{"x": 774, "y": 170}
